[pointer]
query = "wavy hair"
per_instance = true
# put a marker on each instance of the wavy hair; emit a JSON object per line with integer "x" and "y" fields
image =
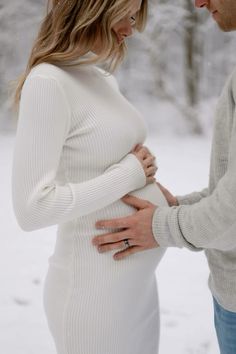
{"x": 70, "y": 30}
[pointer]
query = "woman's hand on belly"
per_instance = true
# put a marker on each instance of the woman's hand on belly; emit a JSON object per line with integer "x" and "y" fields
{"x": 147, "y": 161}
{"x": 135, "y": 230}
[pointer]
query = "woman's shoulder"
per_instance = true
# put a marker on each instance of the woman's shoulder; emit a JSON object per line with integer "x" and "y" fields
{"x": 64, "y": 77}
{"x": 47, "y": 71}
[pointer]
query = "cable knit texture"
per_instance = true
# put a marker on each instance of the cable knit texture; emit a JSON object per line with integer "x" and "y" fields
{"x": 72, "y": 164}
{"x": 207, "y": 219}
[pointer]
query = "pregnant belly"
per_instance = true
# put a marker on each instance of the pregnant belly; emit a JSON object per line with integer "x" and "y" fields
{"x": 119, "y": 209}
{"x": 77, "y": 235}
{"x": 85, "y": 226}
{"x": 152, "y": 193}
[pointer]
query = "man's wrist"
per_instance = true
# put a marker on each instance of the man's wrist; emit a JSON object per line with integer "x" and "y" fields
{"x": 174, "y": 202}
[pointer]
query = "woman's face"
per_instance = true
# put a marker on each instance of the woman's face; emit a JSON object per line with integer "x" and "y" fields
{"x": 124, "y": 28}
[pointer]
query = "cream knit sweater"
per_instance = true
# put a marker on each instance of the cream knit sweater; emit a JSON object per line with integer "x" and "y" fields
{"x": 207, "y": 219}
{"x": 47, "y": 134}
{"x": 71, "y": 167}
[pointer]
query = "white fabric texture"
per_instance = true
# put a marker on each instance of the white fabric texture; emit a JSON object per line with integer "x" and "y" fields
{"x": 207, "y": 219}
{"x": 72, "y": 164}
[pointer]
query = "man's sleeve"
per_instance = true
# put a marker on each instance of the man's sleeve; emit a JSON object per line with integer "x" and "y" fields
{"x": 192, "y": 198}
{"x": 209, "y": 223}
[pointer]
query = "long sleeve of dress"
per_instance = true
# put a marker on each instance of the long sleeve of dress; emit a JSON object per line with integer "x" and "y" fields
{"x": 38, "y": 199}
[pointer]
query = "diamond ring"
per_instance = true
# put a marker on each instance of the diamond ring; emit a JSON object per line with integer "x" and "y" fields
{"x": 126, "y": 242}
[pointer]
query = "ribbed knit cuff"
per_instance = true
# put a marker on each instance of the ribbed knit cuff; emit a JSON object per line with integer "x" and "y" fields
{"x": 165, "y": 226}
{"x": 192, "y": 198}
{"x": 184, "y": 200}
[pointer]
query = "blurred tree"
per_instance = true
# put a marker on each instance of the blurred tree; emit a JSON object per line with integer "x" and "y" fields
{"x": 181, "y": 59}
{"x": 174, "y": 47}
{"x": 193, "y": 51}
{"x": 19, "y": 21}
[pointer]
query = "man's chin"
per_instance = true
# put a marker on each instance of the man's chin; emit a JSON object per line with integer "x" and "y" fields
{"x": 226, "y": 27}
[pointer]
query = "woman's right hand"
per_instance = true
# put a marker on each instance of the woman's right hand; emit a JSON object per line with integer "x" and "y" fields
{"x": 147, "y": 160}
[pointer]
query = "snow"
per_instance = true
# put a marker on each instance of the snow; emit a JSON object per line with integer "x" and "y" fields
{"x": 186, "y": 303}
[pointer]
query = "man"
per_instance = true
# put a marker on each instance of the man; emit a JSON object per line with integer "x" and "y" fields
{"x": 205, "y": 219}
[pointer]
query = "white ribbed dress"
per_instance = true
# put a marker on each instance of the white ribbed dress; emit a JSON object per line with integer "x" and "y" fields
{"x": 71, "y": 167}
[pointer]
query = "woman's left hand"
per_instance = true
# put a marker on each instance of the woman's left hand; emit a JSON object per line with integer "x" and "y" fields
{"x": 147, "y": 160}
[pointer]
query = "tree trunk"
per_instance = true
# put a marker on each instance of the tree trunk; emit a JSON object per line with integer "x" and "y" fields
{"x": 192, "y": 54}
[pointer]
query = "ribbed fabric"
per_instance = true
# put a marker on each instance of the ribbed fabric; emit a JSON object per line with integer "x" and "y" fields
{"x": 72, "y": 164}
{"x": 207, "y": 219}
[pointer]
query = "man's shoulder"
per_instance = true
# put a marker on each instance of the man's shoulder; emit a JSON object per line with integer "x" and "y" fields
{"x": 230, "y": 85}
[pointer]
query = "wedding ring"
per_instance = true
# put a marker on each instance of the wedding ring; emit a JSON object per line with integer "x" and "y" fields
{"x": 126, "y": 242}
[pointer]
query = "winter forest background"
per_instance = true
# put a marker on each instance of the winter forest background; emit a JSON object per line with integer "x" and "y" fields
{"x": 182, "y": 60}
{"x": 173, "y": 73}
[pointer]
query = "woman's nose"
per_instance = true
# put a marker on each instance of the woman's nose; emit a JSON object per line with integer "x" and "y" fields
{"x": 127, "y": 30}
{"x": 201, "y": 3}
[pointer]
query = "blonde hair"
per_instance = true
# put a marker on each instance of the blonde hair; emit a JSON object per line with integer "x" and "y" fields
{"x": 70, "y": 29}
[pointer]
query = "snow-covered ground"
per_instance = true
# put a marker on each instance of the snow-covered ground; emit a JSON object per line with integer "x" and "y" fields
{"x": 186, "y": 304}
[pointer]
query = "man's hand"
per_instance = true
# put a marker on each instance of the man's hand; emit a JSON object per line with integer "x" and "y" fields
{"x": 171, "y": 200}
{"x": 135, "y": 231}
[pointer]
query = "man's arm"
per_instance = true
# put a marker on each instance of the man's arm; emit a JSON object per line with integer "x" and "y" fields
{"x": 192, "y": 198}
{"x": 211, "y": 222}
{"x": 188, "y": 199}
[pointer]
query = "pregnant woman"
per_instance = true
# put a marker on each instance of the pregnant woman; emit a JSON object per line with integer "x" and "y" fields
{"x": 78, "y": 151}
